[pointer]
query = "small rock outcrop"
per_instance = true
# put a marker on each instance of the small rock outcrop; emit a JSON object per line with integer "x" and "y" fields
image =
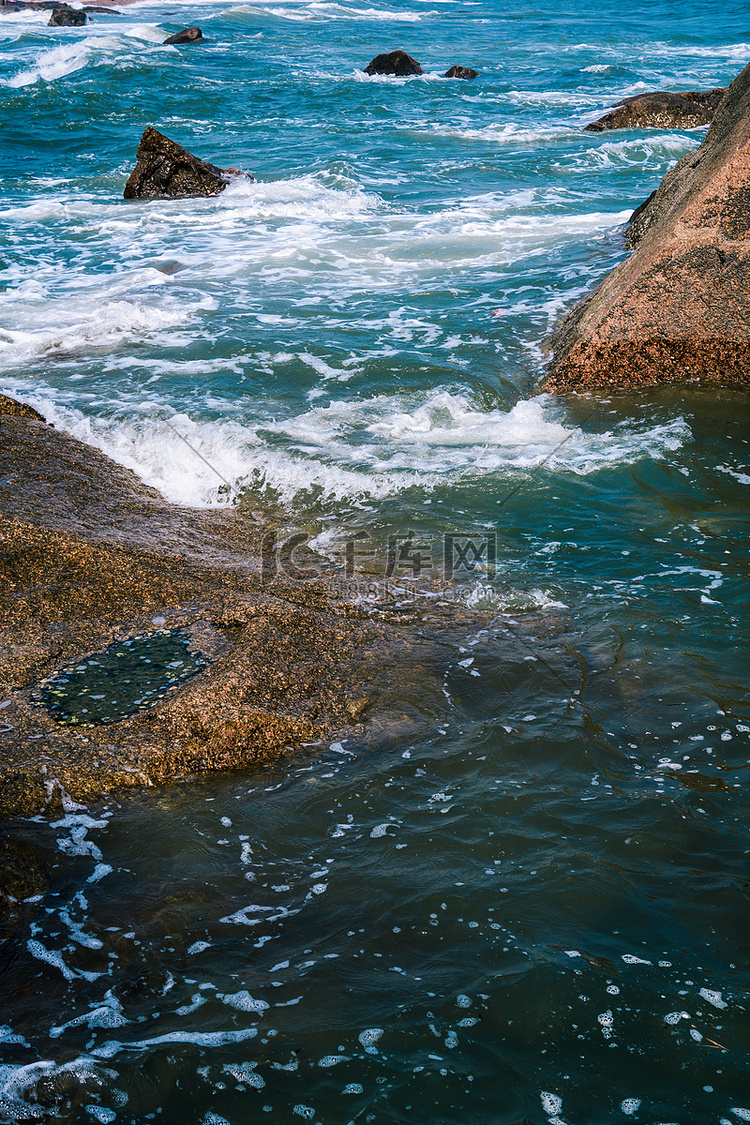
{"x": 457, "y": 71}
{"x": 661, "y": 110}
{"x": 679, "y": 307}
{"x": 164, "y": 168}
{"x": 395, "y": 62}
{"x": 187, "y": 35}
{"x": 67, "y": 17}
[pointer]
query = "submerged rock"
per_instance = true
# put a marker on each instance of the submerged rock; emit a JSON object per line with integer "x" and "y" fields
{"x": 679, "y": 307}
{"x": 395, "y": 62}
{"x": 67, "y": 17}
{"x": 164, "y": 168}
{"x": 187, "y": 35}
{"x": 661, "y": 110}
{"x": 457, "y": 71}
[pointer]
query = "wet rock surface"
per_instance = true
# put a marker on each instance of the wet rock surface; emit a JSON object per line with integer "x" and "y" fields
{"x": 165, "y": 168}
{"x": 187, "y": 35}
{"x": 18, "y": 409}
{"x": 397, "y": 63}
{"x": 661, "y": 110}
{"x": 679, "y": 307}
{"x": 457, "y": 71}
{"x": 67, "y": 17}
{"x": 90, "y": 557}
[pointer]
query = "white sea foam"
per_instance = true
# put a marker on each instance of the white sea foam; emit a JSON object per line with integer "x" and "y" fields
{"x": 56, "y": 961}
{"x": 18, "y": 1084}
{"x": 506, "y": 133}
{"x": 196, "y": 1038}
{"x": 70, "y": 326}
{"x": 547, "y": 97}
{"x": 106, "y": 1015}
{"x": 373, "y": 447}
{"x": 244, "y": 1002}
{"x": 50, "y": 65}
{"x": 637, "y": 151}
{"x": 369, "y": 1037}
{"x": 320, "y": 10}
{"x": 551, "y": 1103}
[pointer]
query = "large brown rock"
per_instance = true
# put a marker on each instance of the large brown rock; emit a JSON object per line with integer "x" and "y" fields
{"x": 394, "y": 62}
{"x": 679, "y": 307}
{"x": 661, "y": 110}
{"x": 164, "y": 168}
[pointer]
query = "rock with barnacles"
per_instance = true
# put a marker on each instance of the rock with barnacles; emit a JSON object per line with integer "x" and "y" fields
{"x": 678, "y": 308}
{"x": 661, "y": 110}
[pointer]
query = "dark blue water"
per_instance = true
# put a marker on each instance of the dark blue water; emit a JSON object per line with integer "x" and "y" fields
{"x": 529, "y": 904}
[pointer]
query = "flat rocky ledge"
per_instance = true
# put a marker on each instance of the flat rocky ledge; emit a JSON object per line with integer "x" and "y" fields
{"x": 91, "y": 557}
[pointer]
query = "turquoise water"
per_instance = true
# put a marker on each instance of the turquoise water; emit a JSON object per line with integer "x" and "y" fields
{"x": 531, "y": 904}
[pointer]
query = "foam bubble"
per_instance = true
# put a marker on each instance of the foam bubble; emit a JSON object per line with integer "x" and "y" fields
{"x": 196, "y": 1038}
{"x": 369, "y": 1037}
{"x": 713, "y": 997}
{"x": 244, "y": 1002}
{"x": 551, "y": 1103}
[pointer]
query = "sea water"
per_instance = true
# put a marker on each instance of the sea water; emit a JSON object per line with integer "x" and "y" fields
{"x": 529, "y": 904}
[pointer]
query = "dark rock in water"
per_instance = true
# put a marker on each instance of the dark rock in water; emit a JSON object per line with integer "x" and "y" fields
{"x": 106, "y": 11}
{"x": 187, "y": 35}
{"x": 461, "y": 72}
{"x": 661, "y": 110}
{"x": 67, "y": 17}
{"x": 164, "y": 168}
{"x": 396, "y": 62}
{"x": 679, "y": 307}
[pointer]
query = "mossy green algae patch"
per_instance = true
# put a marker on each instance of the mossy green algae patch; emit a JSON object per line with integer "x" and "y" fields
{"x": 129, "y": 676}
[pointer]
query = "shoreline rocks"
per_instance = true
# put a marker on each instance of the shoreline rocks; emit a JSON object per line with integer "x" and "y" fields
{"x": 678, "y": 307}
{"x": 165, "y": 169}
{"x": 661, "y": 110}
{"x": 89, "y": 555}
{"x": 187, "y": 35}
